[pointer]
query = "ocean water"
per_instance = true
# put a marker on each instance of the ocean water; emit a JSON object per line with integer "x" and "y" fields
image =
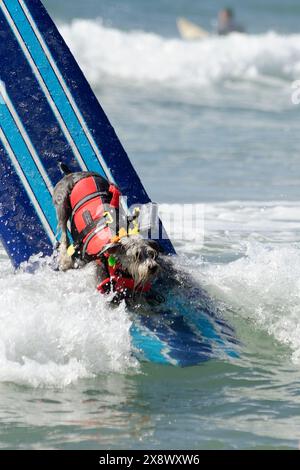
{"x": 210, "y": 122}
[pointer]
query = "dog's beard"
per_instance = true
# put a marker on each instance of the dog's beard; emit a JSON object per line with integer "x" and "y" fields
{"x": 140, "y": 273}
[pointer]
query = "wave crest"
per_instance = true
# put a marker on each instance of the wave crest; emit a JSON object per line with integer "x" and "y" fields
{"x": 143, "y": 57}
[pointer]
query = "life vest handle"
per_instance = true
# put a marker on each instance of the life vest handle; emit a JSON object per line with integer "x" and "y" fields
{"x": 115, "y": 200}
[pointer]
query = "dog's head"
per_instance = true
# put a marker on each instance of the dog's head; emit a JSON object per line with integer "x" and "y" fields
{"x": 138, "y": 257}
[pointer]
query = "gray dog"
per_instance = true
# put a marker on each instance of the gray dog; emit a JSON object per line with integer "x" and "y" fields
{"x": 127, "y": 264}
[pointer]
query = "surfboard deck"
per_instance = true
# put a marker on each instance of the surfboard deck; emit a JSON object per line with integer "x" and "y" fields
{"x": 167, "y": 337}
{"x": 189, "y": 30}
{"x": 49, "y": 114}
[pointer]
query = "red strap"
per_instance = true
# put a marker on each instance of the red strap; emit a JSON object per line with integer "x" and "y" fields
{"x": 104, "y": 286}
{"x": 120, "y": 283}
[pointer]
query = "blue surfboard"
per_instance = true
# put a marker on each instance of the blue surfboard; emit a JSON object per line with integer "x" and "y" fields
{"x": 49, "y": 114}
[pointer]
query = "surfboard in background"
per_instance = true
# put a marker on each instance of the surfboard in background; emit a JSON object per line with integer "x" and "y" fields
{"x": 48, "y": 114}
{"x": 190, "y": 31}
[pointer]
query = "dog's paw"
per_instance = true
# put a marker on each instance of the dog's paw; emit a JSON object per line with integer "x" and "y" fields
{"x": 66, "y": 262}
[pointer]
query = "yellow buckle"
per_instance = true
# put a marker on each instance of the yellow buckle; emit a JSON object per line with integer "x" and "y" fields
{"x": 109, "y": 219}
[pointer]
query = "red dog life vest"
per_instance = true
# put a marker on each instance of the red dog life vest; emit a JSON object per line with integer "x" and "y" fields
{"x": 90, "y": 199}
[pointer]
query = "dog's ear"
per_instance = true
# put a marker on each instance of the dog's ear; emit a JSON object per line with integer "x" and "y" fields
{"x": 155, "y": 245}
{"x": 111, "y": 248}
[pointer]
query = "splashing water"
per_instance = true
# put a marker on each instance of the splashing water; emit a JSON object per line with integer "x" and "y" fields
{"x": 55, "y": 328}
{"x": 264, "y": 286}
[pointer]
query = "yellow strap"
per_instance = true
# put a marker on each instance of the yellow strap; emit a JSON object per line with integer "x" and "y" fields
{"x": 122, "y": 233}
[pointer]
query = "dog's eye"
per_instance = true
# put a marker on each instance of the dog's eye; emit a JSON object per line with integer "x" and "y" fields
{"x": 153, "y": 254}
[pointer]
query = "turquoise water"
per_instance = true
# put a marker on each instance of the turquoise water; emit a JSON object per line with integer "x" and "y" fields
{"x": 209, "y": 122}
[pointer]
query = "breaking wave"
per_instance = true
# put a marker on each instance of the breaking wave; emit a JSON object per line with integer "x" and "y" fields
{"x": 267, "y": 58}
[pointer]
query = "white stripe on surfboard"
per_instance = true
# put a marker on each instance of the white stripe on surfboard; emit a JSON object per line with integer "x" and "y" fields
{"x": 28, "y": 143}
{"x": 43, "y": 86}
{"x": 27, "y": 187}
{"x": 66, "y": 91}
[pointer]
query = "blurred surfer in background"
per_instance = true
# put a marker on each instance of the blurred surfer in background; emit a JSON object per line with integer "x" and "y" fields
{"x": 227, "y": 23}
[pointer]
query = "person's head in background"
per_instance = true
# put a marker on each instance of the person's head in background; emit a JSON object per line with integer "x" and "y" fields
{"x": 225, "y": 16}
{"x": 226, "y": 22}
